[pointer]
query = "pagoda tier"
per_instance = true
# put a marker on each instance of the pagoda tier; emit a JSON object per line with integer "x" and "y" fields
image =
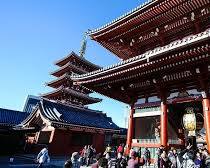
{"x": 77, "y": 61}
{"x": 68, "y": 95}
{"x": 180, "y": 64}
{"x": 65, "y": 81}
{"x": 68, "y": 68}
{"x": 153, "y": 24}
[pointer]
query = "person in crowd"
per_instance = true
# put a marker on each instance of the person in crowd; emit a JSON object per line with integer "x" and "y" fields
{"x": 146, "y": 155}
{"x": 186, "y": 158}
{"x": 108, "y": 150}
{"x": 89, "y": 155}
{"x": 172, "y": 156}
{"x": 158, "y": 155}
{"x": 84, "y": 155}
{"x": 206, "y": 158}
{"x": 94, "y": 151}
{"x": 43, "y": 157}
{"x": 120, "y": 161}
{"x": 120, "y": 149}
{"x": 139, "y": 152}
{"x": 131, "y": 151}
{"x": 133, "y": 163}
{"x": 75, "y": 160}
{"x": 198, "y": 160}
{"x": 108, "y": 157}
{"x": 68, "y": 164}
{"x": 96, "y": 164}
{"x": 164, "y": 161}
{"x": 114, "y": 149}
{"x": 103, "y": 163}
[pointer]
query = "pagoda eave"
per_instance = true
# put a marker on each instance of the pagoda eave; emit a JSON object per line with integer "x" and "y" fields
{"x": 69, "y": 67}
{"x": 59, "y": 81}
{"x": 66, "y": 93}
{"x": 73, "y": 56}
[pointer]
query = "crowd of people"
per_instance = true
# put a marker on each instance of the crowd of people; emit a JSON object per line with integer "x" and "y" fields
{"x": 187, "y": 158}
{"x": 114, "y": 157}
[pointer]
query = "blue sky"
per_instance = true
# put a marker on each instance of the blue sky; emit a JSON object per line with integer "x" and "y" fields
{"x": 34, "y": 34}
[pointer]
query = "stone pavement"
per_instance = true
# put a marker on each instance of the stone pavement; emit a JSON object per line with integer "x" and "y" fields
{"x": 27, "y": 161}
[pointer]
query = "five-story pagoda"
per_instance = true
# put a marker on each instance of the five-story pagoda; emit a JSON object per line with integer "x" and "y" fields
{"x": 65, "y": 91}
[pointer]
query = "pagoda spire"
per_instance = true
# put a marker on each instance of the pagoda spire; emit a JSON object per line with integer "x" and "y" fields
{"x": 83, "y": 45}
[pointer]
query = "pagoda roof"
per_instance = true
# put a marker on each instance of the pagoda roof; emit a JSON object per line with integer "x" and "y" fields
{"x": 61, "y": 91}
{"x": 11, "y": 117}
{"x": 59, "y": 81}
{"x": 72, "y": 56}
{"x": 67, "y": 116}
{"x": 138, "y": 72}
{"x": 153, "y": 24}
{"x": 67, "y": 68}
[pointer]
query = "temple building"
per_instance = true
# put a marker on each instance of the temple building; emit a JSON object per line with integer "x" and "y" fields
{"x": 9, "y": 136}
{"x": 66, "y": 124}
{"x": 164, "y": 73}
{"x": 62, "y": 117}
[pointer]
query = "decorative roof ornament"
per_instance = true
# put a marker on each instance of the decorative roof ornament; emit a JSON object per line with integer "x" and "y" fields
{"x": 83, "y": 45}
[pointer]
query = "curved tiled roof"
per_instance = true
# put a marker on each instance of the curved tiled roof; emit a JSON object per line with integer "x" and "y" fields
{"x": 11, "y": 117}
{"x": 65, "y": 114}
{"x": 149, "y": 54}
{"x": 30, "y": 103}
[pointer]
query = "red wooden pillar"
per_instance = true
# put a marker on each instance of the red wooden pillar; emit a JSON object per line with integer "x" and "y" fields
{"x": 130, "y": 131}
{"x": 164, "y": 124}
{"x": 206, "y": 113}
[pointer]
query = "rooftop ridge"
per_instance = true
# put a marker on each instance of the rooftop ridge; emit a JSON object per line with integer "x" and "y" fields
{"x": 72, "y": 106}
{"x": 6, "y": 109}
{"x": 124, "y": 16}
{"x": 81, "y": 58}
